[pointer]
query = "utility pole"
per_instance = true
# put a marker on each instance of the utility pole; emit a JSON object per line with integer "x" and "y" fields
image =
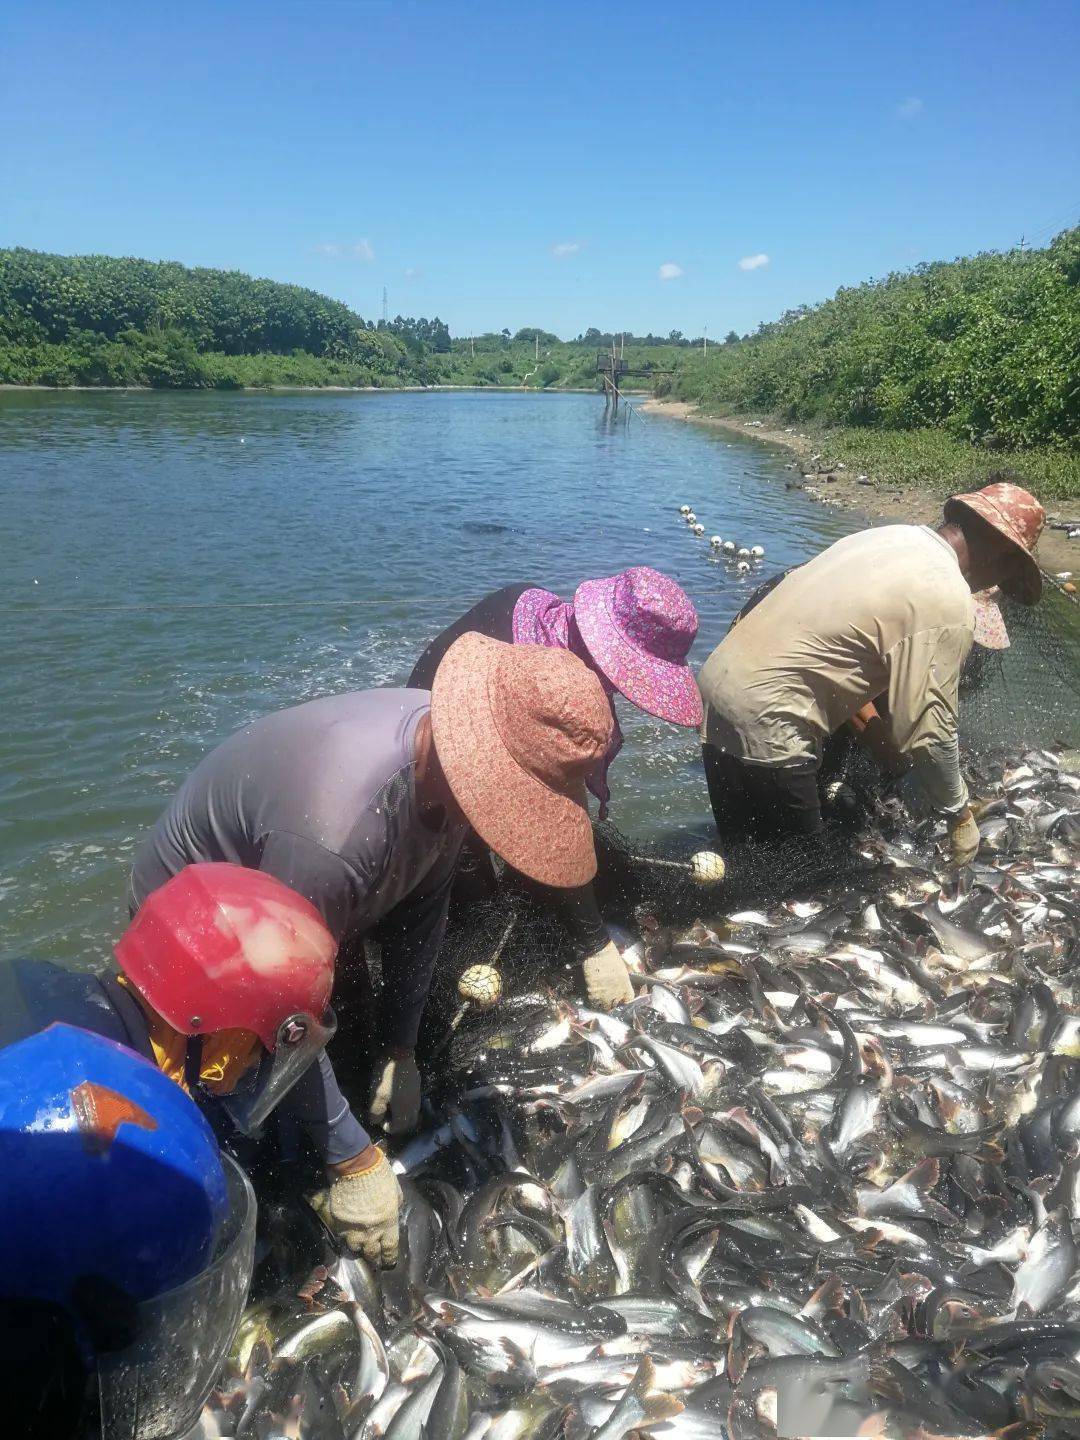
{"x": 385, "y": 310}
{"x": 472, "y": 347}
{"x": 536, "y": 352}
{"x": 705, "y": 343}
{"x": 622, "y": 345}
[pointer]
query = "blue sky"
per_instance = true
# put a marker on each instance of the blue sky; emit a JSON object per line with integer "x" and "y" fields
{"x": 515, "y": 164}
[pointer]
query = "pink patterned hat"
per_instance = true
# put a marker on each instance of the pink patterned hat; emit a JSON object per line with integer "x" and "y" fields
{"x": 638, "y": 627}
{"x": 990, "y": 631}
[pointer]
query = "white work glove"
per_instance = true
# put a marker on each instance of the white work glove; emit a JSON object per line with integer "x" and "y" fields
{"x": 963, "y": 838}
{"x": 362, "y": 1206}
{"x": 607, "y": 980}
{"x": 395, "y": 1093}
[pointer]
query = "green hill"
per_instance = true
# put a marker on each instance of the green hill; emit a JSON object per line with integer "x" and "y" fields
{"x": 986, "y": 349}
{"x": 96, "y": 320}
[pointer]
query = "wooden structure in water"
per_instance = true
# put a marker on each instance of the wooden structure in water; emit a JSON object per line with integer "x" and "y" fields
{"x": 615, "y": 369}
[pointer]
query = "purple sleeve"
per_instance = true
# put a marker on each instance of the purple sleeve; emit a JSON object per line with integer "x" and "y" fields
{"x": 316, "y": 1104}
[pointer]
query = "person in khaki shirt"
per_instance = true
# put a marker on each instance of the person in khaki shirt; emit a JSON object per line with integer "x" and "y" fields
{"x": 885, "y": 613}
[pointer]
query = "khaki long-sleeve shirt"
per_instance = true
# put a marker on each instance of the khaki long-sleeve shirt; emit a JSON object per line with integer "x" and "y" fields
{"x": 882, "y": 612}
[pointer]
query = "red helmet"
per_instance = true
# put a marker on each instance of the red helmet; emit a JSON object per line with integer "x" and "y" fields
{"x": 221, "y": 947}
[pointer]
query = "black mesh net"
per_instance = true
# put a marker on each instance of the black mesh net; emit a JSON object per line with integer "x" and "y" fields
{"x": 1025, "y": 697}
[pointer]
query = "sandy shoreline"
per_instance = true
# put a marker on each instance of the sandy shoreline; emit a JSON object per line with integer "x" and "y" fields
{"x": 883, "y": 502}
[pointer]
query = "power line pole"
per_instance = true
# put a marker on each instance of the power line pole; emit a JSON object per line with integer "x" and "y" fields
{"x": 536, "y": 352}
{"x": 472, "y": 347}
{"x": 385, "y": 310}
{"x": 705, "y": 343}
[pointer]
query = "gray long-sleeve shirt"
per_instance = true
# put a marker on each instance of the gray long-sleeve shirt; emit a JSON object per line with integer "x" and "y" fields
{"x": 323, "y": 797}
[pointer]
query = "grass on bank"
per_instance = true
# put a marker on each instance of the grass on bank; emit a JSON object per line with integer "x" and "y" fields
{"x": 934, "y": 461}
{"x": 940, "y": 464}
{"x": 925, "y": 377}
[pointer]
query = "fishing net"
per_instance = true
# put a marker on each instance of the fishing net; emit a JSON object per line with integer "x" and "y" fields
{"x": 1027, "y": 696}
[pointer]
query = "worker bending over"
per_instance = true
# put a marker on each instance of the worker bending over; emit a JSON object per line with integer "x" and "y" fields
{"x": 360, "y": 803}
{"x": 634, "y": 631}
{"x": 885, "y": 612}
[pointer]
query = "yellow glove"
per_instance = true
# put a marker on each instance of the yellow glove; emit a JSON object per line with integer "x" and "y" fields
{"x": 963, "y": 838}
{"x": 395, "y": 1093}
{"x": 363, "y": 1206}
{"x": 607, "y": 980}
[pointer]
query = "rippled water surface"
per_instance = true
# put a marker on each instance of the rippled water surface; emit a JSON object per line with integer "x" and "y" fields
{"x": 175, "y": 565}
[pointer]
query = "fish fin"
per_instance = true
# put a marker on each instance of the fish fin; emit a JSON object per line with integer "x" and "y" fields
{"x": 924, "y": 1176}
{"x": 655, "y": 1405}
{"x": 883, "y": 1382}
{"x": 661, "y": 1406}
{"x": 827, "y": 1299}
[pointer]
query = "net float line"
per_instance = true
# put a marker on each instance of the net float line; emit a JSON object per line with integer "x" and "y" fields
{"x": 706, "y": 867}
{"x": 479, "y": 987}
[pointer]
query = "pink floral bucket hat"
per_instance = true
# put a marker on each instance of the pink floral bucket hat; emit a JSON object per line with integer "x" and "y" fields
{"x": 638, "y": 627}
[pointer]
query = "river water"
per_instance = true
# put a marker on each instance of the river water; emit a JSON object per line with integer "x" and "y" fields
{"x": 177, "y": 564}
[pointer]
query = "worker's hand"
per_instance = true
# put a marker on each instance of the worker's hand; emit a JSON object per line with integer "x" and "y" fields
{"x": 395, "y": 1093}
{"x": 363, "y": 1205}
{"x": 607, "y": 980}
{"x": 963, "y": 838}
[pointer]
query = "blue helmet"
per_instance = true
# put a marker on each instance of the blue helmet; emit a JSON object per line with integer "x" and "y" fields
{"x": 109, "y": 1172}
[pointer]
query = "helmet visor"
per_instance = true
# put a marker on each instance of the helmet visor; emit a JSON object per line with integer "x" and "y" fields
{"x": 154, "y": 1389}
{"x": 300, "y": 1039}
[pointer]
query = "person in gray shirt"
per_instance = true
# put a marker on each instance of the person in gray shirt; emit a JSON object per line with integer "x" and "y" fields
{"x": 360, "y": 802}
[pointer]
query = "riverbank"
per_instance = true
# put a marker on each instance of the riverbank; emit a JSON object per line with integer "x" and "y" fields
{"x": 317, "y": 389}
{"x": 893, "y": 475}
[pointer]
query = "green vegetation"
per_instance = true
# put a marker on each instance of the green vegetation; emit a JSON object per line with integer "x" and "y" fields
{"x": 540, "y": 360}
{"x": 940, "y": 464}
{"x": 919, "y": 375}
{"x": 94, "y": 320}
{"x": 986, "y": 349}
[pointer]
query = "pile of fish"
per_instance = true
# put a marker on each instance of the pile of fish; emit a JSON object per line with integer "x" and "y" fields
{"x": 821, "y": 1177}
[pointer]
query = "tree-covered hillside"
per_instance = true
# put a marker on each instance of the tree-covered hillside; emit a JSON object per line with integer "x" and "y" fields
{"x": 96, "y": 320}
{"x": 986, "y": 348}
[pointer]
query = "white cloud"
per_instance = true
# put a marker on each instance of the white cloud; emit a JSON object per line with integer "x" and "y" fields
{"x": 669, "y": 270}
{"x": 413, "y": 272}
{"x": 359, "y": 250}
{"x": 567, "y": 247}
{"x": 909, "y": 108}
{"x": 753, "y": 262}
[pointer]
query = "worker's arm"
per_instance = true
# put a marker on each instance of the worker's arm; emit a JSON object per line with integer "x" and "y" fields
{"x": 923, "y": 702}
{"x": 316, "y": 1103}
{"x": 607, "y": 980}
{"x": 875, "y": 737}
{"x": 410, "y": 937}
